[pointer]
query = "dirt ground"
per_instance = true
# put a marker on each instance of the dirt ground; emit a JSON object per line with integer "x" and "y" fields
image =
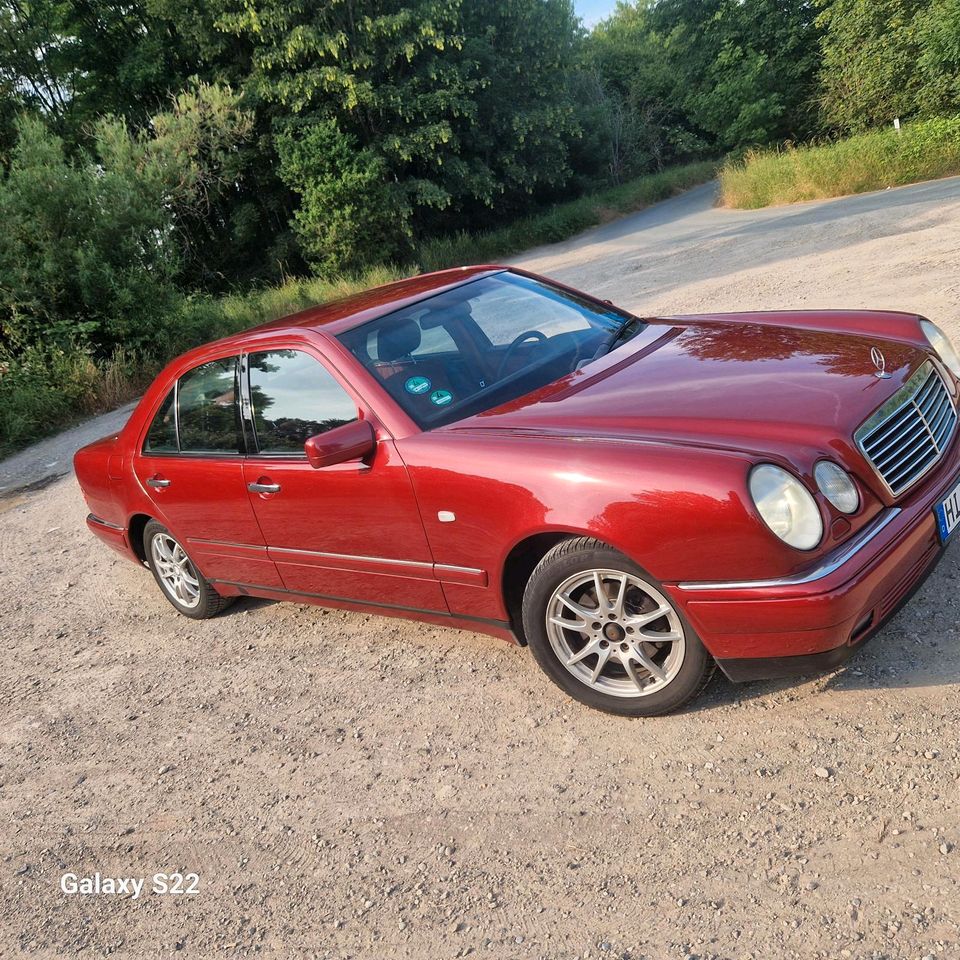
{"x": 352, "y": 786}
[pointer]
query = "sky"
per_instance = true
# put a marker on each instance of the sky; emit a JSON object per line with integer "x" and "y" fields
{"x": 590, "y": 11}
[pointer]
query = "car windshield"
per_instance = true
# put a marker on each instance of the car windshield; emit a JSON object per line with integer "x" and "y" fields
{"x": 484, "y": 343}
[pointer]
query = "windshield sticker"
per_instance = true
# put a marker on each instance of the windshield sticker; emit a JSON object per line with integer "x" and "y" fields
{"x": 441, "y": 397}
{"x": 417, "y": 385}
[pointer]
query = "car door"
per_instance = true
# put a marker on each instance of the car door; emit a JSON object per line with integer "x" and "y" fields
{"x": 190, "y": 463}
{"x": 350, "y": 531}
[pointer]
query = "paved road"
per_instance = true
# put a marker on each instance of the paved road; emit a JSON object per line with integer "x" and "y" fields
{"x": 51, "y": 458}
{"x": 894, "y": 249}
{"x": 686, "y": 255}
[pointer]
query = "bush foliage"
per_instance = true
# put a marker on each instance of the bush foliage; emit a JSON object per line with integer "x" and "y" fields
{"x": 923, "y": 150}
{"x": 162, "y": 153}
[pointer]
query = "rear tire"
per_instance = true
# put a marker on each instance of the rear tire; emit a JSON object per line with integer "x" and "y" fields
{"x": 628, "y": 651}
{"x": 178, "y": 577}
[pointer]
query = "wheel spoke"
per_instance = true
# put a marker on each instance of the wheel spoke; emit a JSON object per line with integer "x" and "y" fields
{"x": 592, "y": 647}
{"x": 602, "y": 658}
{"x": 580, "y": 611}
{"x": 652, "y": 636}
{"x": 652, "y": 668}
{"x": 642, "y": 619}
{"x": 632, "y": 673}
{"x": 621, "y": 594}
{"x": 569, "y": 624}
{"x": 603, "y": 601}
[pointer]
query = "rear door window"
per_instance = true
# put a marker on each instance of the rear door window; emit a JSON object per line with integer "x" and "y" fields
{"x": 208, "y": 409}
{"x": 162, "y": 437}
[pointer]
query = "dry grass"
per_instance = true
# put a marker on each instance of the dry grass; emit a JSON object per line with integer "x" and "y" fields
{"x": 924, "y": 150}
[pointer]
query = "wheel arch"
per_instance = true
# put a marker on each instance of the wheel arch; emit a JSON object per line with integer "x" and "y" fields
{"x": 135, "y": 527}
{"x": 520, "y": 562}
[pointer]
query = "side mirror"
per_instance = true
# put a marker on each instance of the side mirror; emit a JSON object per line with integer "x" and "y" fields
{"x": 349, "y": 442}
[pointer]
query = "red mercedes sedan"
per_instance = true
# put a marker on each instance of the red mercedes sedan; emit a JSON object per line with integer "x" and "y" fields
{"x": 636, "y": 499}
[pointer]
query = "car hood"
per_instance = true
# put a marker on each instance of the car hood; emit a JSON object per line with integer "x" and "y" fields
{"x": 746, "y": 385}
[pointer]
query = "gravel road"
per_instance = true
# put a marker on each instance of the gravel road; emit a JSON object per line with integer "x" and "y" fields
{"x": 352, "y": 786}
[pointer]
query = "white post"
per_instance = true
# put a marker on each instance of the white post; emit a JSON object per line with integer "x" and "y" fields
{"x": 896, "y": 124}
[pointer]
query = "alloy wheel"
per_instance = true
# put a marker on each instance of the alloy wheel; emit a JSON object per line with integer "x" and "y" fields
{"x": 177, "y": 574}
{"x": 615, "y": 633}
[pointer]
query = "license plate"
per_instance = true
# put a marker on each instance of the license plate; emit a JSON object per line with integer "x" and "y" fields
{"x": 947, "y": 512}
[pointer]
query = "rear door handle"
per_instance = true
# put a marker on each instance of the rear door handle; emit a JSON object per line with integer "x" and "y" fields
{"x": 158, "y": 482}
{"x": 263, "y": 487}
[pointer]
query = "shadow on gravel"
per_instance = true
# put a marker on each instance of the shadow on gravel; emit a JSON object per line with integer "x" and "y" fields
{"x": 919, "y": 647}
{"x": 245, "y": 605}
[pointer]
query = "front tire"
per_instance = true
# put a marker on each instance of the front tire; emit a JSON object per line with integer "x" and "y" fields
{"x": 178, "y": 578}
{"x": 608, "y": 635}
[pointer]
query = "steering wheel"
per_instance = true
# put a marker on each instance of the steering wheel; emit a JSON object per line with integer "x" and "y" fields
{"x": 523, "y": 338}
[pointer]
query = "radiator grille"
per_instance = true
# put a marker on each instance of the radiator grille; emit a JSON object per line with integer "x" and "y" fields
{"x": 909, "y": 434}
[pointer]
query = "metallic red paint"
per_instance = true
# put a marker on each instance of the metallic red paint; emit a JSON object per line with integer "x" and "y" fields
{"x": 648, "y": 449}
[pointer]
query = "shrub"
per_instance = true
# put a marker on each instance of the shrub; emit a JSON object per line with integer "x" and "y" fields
{"x": 871, "y": 161}
{"x": 349, "y": 214}
{"x": 92, "y": 247}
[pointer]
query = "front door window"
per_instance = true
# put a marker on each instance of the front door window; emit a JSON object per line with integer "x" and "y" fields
{"x": 293, "y": 398}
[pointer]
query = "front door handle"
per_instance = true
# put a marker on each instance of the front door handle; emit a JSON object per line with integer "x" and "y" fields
{"x": 158, "y": 482}
{"x": 263, "y": 487}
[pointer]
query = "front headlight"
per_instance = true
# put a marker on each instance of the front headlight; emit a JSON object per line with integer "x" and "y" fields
{"x": 786, "y": 506}
{"x": 835, "y": 484}
{"x": 942, "y": 346}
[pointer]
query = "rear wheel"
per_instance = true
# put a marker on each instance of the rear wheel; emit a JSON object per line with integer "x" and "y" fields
{"x": 604, "y": 632}
{"x": 181, "y": 582}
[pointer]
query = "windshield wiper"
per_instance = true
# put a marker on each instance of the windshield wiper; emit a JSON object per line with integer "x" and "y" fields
{"x": 616, "y": 336}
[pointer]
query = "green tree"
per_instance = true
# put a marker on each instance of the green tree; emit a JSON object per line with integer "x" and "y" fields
{"x": 369, "y": 77}
{"x": 70, "y": 62}
{"x": 743, "y": 70}
{"x": 348, "y": 213}
{"x": 869, "y": 72}
{"x": 94, "y": 244}
{"x": 632, "y": 91}
{"x": 698, "y": 75}
{"x": 439, "y": 100}
{"x": 513, "y": 143}
{"x": 939, "y": 62}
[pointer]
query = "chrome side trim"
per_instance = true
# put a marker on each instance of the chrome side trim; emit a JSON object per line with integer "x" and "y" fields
{"x": 322, "y": 554}
{"x": 831, "y": 562}
{"x": 469, "y": 576}
{"x": 197, "y": 541}
{"x": 452, "y": 568}
{"x": 438, "y": 571}
{"x": 93, "y": 518}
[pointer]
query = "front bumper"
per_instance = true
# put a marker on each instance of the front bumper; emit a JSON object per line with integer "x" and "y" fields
{"x": 814, "y": 622}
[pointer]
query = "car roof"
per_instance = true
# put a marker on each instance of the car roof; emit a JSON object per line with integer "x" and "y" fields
{"x": 345, "y": 313}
